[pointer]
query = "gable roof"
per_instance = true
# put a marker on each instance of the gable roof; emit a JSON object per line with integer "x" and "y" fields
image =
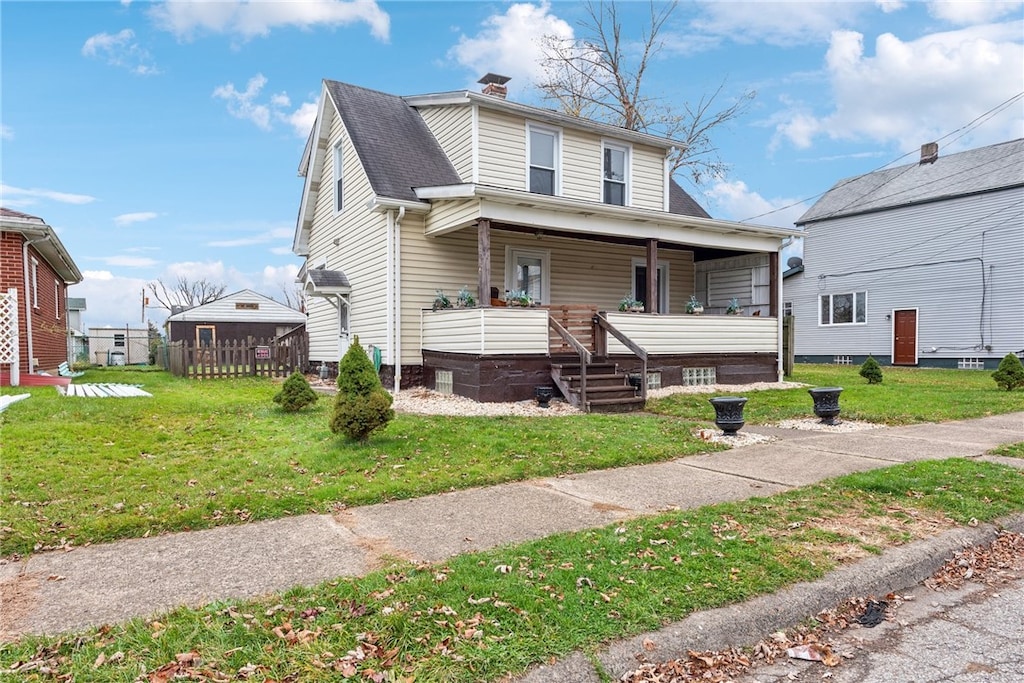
{"x": 44, "y": 241}
{"x": 394, "y": 144}
{"x": 224, "y": 309}
{"x": 985, "y": 169}
{"x": 680, "y": 202}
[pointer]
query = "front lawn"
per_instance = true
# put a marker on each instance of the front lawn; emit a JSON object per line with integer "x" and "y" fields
{"x": 481, "y": 616}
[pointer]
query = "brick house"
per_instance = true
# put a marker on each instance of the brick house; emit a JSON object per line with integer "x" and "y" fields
{"x": 35, "y": 273}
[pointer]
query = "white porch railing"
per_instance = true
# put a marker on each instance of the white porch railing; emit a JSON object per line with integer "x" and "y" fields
{"x": 485, "y": 331}
{"x": 675, "y": 334}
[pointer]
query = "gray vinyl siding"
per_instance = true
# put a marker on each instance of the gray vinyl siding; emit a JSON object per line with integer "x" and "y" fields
{"x": 360, "y": 253}
{"x": 452, "y": 126}
{"x": 959, "y": 261}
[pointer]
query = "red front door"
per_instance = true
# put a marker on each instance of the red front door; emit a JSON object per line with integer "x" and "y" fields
{"x": 904, "y": 347}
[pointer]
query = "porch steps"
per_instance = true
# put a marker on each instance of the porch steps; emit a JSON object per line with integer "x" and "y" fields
{"x": 608, "y": 388}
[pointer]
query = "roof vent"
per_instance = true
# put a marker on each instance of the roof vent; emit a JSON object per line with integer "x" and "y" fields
{"x": 494, "y": 84}
{"x": 929, "y": 152}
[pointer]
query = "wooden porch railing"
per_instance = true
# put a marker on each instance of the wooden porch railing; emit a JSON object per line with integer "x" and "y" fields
{"x": 601, "y": 322}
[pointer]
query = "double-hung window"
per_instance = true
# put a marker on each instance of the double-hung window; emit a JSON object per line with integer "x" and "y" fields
{"x": 843, "y": 309}
{"x": 615, "y": 166}
{"x": 338, "y": 177}
{"x": 543, "y": 153}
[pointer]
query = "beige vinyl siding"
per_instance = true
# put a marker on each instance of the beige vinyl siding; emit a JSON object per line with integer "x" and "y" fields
{"x": 581, "y": 165}
{"x": 361, "y": 254}
{"x": 491, "y": 331}
{"x": 648, "y": 182}
{"x": 446, "y": 214}
{"x": 453, "y": 128}
{"x": 665, "y": 334}
{"x": 502, "y": 140}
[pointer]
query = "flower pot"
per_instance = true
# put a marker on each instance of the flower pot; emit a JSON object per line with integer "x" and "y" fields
{"x": 729, "y": 413}
{"x": 543, "y": 395}
{"x": 826, "y": 403}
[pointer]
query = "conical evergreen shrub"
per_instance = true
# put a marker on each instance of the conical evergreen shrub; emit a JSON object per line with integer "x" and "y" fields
{"x": 1010, "y": 373}
{"x": 296, "y": 393}
{"x": 871, "y": 371}
{"x": 362, "y": 405}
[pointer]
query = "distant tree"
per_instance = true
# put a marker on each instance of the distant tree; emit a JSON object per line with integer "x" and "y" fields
{"x": 599, "y": 75}
{"x": 871, "y": 371}
{"x": 294, "y": 297}
{"x": 185, "y": 292}
{"x": 1010, "y": 373}
{"x": 156, "y": 340}
{"x": 362, "y": 405}
{"x": 296, "y": 393}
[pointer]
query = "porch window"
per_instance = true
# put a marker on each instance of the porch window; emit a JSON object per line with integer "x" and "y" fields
{"x": 338, "y": 178}
{"x": 543, "y": 154}
{"x": 843, "y": 309}
{"x": 616, "y": 173}
{"x": 528, "y": 270}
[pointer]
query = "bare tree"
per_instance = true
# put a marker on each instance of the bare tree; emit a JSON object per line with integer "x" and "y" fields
{"x": 294, "y": 296}
{"x": 186, "y": 293}
{"x": 599, "y": 75}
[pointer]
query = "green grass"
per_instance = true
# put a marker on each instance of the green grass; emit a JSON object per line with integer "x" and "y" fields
{"x": 204, "y": 453}
{"x": 482, "y": 615}
{"x": 906, "y": 396}
{"x": 1012, "y": 450}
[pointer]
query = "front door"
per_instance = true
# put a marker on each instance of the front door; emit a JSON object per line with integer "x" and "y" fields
{"x": 904, "y": 345}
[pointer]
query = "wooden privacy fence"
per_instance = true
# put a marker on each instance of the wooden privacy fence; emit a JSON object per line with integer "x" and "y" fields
{"x": 238, "y": 358}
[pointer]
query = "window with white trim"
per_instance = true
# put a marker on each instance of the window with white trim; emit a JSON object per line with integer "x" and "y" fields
{"x": 529, "y": 270}
{"x": 615, "y": 174}
{"x": 56, "y": 299}
{"x": 35, "y": 283}
{"x": 543, "y": 152}
{"x": 842, "y": 309}
{"x": 338, "y": 178}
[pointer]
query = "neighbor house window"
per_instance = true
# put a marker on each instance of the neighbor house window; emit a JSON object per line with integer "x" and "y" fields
{"x": 338, "y": 177}
{"x": 543, "y": 153}
{"x": 843, "y": 309}
{"x": 119, "y": 340}
{"x": 615, "y": 174}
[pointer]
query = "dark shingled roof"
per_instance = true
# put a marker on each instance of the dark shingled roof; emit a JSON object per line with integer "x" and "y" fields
{"x": 395, "y": 146}
{"x": 11, "y": 213}
{"x": 680, "y": 202}
{"x": 978, "y": 170}
{"x": 327, "y": 278}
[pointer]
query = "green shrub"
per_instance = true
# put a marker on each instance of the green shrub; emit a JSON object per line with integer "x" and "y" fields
{"x": 871, "y": 371}
{"x": 1010, "y": 373}
{"x": 362, "y": 405}
{"x": 296, "y": 393}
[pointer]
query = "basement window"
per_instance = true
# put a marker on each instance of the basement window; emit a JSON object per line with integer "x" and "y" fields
{"x": 443, "y": 383}
{"x": 970, "y": 364}
{"x": 653, "y": 380}
{"x": 842, "y": 360}
{"x": 693, "y": 377}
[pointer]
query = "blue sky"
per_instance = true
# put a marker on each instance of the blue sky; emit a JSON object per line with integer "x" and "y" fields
{"x": 161, "y": 139}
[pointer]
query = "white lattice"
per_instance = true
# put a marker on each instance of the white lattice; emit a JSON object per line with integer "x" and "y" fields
{"x": 9, "y": 333}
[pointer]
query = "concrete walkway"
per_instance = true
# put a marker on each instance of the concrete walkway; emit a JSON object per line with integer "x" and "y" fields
{"x": 55, "y": 592}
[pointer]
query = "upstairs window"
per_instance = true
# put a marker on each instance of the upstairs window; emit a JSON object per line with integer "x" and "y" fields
{"x": 338, "y": 178}
{"x": 543, "y": 153}
{"x": 616, "y": 174}
{"x": 843, "y": 309}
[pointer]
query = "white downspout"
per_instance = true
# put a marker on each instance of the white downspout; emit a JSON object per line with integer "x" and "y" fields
{"x": 397, "y": 299}
{"x": 28, "y": 302}
{"x": 389, "y": 286}
{"x": 780, "y": 366}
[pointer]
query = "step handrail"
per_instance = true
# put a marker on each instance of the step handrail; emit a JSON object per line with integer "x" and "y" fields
{"x": 640, "y": 352}
{"x": 583, "y": 351}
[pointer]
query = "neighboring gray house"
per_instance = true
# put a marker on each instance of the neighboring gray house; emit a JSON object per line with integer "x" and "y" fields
{"x": 916, "y": 265}
{"x": 235, "y": 317}
{"x": 78, "y": 342}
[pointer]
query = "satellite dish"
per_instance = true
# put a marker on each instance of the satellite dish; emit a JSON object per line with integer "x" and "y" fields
{"x": 794, "y": 262}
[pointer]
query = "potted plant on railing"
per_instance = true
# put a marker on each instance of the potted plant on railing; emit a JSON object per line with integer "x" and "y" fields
{"x": 628, "y": 304}
{"x": 694, "y": 306}
{"x": 734, "y": 307}
{"x": 441, "y": 300}
{"x": 465, "y": 298}
{"x": 520, "y": 298}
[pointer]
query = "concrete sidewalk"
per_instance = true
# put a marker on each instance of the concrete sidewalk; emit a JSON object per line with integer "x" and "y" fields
{"x": 55, "y": 592}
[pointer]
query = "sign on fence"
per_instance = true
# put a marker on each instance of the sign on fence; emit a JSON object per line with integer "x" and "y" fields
{"x": 262, "y": 353}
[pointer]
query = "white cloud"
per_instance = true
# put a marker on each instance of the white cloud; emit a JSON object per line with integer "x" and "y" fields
{"x": 889, "y": 6}
{"x": 969, "y": 13}
{"x": 279, "y": 233}
{"x": 6, "y": 132}
{"x": 775, "y": 23}
{"x": 248, "y": 19}
{"x": 911, "y": 92}
{"x": 248, "y": 105}
{"x": 18, "y": 196}
{"x": 139, "y": 217}
{"x": 120, "y": 49}
{"x": 111, "y": 301}
{"x": 508, "y": 43}
{"x": 738, "y": 202}
{"x": 302, "y": 119}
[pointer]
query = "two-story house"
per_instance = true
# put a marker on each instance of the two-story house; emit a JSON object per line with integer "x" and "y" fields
{"x": 918, "y": 265}
{"x": 406, "y": 196}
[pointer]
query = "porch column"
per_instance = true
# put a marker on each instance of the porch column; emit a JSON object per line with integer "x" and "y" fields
{"x": 773, "y": 284}
{"x": 483, "y": 260}
{"x": 651, "y": 297}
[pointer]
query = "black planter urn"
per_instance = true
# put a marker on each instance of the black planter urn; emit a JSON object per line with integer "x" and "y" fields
{"x": 729, "y": 413}
{"x": 543, "y": 395}
{"x": 826, "y": 403}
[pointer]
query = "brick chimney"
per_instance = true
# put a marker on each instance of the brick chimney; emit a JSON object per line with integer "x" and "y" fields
{"x": 494, "y": 84}
{"x": 929, "y": 153}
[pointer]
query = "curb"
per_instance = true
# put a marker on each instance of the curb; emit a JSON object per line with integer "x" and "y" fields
{"x": 746, "y": 623}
